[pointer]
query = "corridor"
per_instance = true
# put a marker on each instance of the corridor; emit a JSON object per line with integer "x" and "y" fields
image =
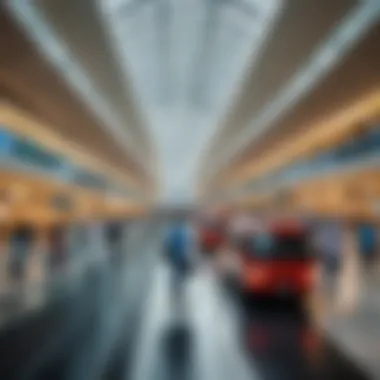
{"x": 248, "y": 129}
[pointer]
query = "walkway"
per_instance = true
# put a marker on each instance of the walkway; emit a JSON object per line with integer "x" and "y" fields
{"x": 207, "y": 337}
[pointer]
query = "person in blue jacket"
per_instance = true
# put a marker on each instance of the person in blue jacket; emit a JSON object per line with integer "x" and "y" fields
{"x": 180, "y": 251}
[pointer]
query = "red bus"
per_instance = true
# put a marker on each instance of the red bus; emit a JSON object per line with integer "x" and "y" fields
{"x": 278, "y": 261}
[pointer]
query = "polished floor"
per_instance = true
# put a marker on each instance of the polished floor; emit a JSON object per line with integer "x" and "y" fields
{"x": 226, "y": 338}
{"x": 112, "y": 327}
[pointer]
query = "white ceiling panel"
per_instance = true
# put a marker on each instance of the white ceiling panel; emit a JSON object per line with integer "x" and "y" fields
{"x": 186, "y": 59}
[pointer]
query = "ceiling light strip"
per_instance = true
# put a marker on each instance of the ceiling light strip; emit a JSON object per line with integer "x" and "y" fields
{"x": 259, "y": 32}
{"x": 59, "y": 55}
{"x": 163, "y": 24}
{"x": 323, "y": 135}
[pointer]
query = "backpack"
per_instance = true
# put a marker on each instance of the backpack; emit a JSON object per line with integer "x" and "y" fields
{"x": 176, "y": 246}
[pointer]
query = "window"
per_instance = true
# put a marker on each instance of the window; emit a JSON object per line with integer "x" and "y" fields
{"x": 366, "y": 143}
{"x": 262, "y": 246}
{"x": 267, "y": 246}
{"x": 29, "y": 152}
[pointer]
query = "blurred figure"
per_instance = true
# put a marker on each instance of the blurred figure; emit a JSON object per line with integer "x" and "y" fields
{"x": 367, "y": 244}
{"x": 114, "y": 237}
{"x": 20, "y": 245}
{"x": 327, "y": 241}
{"x": 180, "y": 252}
{"x": 229, "y": 262}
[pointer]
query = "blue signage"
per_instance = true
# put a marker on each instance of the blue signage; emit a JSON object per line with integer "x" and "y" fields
{"x": 31, "y": 153}
{"x": 24, "y": 151}
{"x": 6, "y": 141}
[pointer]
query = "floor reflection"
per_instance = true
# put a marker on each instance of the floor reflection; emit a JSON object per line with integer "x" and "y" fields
{"x": 98, "y": 332}
{"x": 178, "y": 355}
{"x": 283, "y": 344}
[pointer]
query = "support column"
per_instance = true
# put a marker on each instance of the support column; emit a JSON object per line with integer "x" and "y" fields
{"x": 97, "y": 246}
{"x": 350, "y": 276}
{"x": 36, "y": 284}
{"x": 84, "y": 246}
{"x": 73, "y": 249}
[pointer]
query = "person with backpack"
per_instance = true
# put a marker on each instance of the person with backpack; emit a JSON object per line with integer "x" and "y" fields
{"x": 114, "y": 239}
{"x": 180, "y": 253}
{"x": 20, "y": 248}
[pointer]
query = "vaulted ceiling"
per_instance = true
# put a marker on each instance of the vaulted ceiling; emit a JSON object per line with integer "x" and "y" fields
{"x": 181, "y": 92}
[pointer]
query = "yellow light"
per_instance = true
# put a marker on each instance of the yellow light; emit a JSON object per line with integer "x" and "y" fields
{"x": 324, "y": 134}
{"x": 24, "y": 124}
{"x": 4, "y": 212}
{"x": 18, "y": 191}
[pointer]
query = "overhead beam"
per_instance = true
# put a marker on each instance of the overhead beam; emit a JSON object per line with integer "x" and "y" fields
{"x": 24, "y": 124}
{"x": 65, "y": 52}
{"x": 347, "y": 34}
{"x": 326, "y": 133}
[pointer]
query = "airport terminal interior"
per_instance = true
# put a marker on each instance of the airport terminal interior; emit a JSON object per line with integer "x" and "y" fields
{"x": 189, "y": 189}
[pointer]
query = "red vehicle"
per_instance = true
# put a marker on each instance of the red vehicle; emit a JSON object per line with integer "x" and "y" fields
{"x": 278, "y": 262}
{"x": 211, "y": 235}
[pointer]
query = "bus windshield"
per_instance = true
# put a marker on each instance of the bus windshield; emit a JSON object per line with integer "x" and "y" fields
{"x": 279, "y": 247}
